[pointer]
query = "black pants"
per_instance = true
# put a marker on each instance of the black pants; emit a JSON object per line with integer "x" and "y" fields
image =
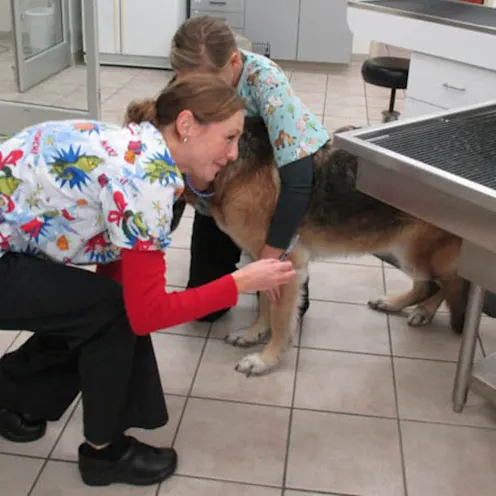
{"x": 82, "y": 342}
{"x": 213, "y": 255}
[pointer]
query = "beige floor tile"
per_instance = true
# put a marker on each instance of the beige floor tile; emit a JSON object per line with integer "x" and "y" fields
{"x": 239, "y": 317}
{"x": 6, "y": 340}
{"x": 63, "y": 479}
{"x": 194, "y": 329}
{"x": 231, "y": 441}
{"x": 17, "y": 474}
{"x": 181, "y": 237}
{"x": 334, "y": 109}
{"x": 345, "y": 327}
{"x": 217, "y": 378}
{"x": 435, "y": 341}
{"x": 333, "y": 100}
{"x": 177, "y": 260}
{"x": 314, "y": 100}
{"x": 369, "y": 260}
{"x": 308, "y": 82}
{"x": 449, "y": 460}
{"x": 344, "y": 283}
{"x": 487, "y": 332}
{"x": 345, "y": 382}
{"x": 333, "y": 123}
{"x": 289, "y": 492}
{"x": 177, "y": 358}
{"x": 67, "y": 446}
{"x": 187, "y": 486}
{"x": 344, "y": 454}
{"x": 424, "y": 393}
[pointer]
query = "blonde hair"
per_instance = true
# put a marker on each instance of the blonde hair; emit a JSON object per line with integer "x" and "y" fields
{"x": 202, "y": 41}
{"x": 209, "y": 98}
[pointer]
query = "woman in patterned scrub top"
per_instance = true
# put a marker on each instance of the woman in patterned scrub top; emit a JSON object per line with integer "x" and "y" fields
{"x": 207, "y": 44}
{"x": 81, "y": 193}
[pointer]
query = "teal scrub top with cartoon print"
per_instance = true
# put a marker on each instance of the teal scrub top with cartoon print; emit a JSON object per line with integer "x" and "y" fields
{"x": 293, "y": 130}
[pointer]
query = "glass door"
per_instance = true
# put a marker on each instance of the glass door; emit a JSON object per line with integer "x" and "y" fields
{"x": 41, "y": 34}
{"x": 47, "y": 83}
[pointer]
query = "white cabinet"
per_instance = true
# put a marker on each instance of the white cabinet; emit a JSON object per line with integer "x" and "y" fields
{"x": 138, "y": 32}
{"x": 147, "y": 26}
{"x": 276, "y": 22}
{"x": 447, "y": 83}
{"x": 323, "y": 33}
{"x": 303, "y": 30}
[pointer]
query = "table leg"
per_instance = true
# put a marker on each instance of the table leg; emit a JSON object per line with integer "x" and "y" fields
{"x": 467, "y": 347}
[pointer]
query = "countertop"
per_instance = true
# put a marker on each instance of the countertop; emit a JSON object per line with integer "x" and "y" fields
{"x": 457, "y": 14}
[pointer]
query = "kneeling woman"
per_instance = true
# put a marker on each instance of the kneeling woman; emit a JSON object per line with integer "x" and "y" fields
{"x": 79, "y": 193}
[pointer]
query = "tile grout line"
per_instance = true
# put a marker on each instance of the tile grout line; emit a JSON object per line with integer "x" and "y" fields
{"x": 291, "y": 412}
{"x": 395, "y": 390}
{"x": 47, "y": 458}
{"x": 188, "y": 396}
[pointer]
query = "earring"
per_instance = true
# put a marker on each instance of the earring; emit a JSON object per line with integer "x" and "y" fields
{"x": 185, "y": 139}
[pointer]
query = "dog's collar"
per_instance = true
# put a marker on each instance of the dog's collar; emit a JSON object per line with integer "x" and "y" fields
{"x": 194, "y": 190}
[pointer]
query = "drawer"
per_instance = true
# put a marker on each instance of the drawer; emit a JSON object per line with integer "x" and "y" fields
{"x": 449, "y": 84}
{"x": 218, "y": 5}
{"x": 235, "y": 19}
{"x": 416, "y": 108}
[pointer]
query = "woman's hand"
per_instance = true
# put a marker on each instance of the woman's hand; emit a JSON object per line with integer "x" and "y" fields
{"x": 263, "y": 275}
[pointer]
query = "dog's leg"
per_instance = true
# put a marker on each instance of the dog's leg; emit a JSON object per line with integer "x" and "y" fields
{"x": 257, "y": 332}
{"x": 457, "y": 290}
{"x": 419, "y": 292}
{"x": 424, "y": 312}
{"x": 283, "y": 321}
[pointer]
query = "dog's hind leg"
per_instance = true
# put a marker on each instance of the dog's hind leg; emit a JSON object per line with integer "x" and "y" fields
{"x": 457, "y": 290}
{"x": 257, "y": 332}
{"x": 283, "y": 323}
{"x": 424, "y": 312}
{"x": 420, "y": 290}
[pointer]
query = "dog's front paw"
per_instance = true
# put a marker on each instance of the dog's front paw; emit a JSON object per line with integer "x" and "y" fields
{"x": 254, "y": 364}
{"x": 243, "y": 338}
{"x": 381, "y": 304}
{"x": 420, "y": 317}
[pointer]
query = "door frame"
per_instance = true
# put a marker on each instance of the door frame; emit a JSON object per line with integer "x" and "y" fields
{"x": 15, "y": 116}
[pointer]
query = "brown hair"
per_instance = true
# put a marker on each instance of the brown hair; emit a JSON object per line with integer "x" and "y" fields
{"x": 208, "y": 97}
{"x": 202, "y": 41}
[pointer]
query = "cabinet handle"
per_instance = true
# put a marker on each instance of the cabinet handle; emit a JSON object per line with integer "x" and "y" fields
{"x": 455, "y": 88}
{"x": 217, "y": 2}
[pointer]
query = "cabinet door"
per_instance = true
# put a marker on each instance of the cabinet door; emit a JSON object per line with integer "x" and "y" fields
{"x": 147, "y": 26}
{"x": 108, "y": 26}
{"x": 324, "y": 35}
{"x": 276, "y": 22}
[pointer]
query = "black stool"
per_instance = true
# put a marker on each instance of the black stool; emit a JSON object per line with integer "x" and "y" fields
{"x": 387, "y": 72}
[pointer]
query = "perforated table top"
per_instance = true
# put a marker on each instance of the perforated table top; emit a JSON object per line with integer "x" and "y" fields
{"x": 442, "y": 9}
{"x": 462, "y": 144}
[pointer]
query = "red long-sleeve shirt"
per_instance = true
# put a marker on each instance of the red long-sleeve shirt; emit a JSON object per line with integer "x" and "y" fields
{"x": 149, "y": 307}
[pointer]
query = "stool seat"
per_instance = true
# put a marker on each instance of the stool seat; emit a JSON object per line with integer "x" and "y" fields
{"x": 388, "y": 72}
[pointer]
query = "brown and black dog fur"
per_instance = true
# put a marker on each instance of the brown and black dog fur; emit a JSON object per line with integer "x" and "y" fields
{"x": 339, "y": 220}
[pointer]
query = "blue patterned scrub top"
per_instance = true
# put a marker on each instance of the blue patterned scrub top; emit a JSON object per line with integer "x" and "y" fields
{"x": 293, "y": 130}
{"x": 79, "y": 191}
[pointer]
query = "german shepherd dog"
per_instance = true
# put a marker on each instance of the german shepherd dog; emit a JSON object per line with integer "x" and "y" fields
{"x": 339, "y": 220}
